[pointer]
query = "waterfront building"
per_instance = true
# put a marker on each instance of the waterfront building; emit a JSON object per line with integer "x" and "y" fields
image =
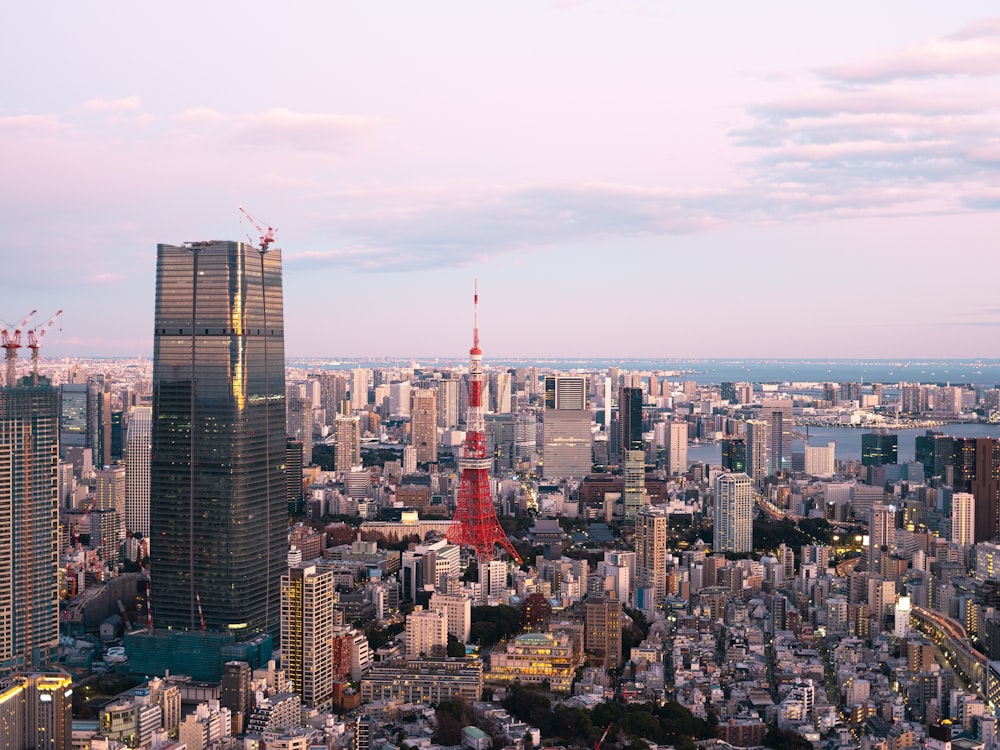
{"x": 879, "y": 448}
{"x": 218, "y": 442}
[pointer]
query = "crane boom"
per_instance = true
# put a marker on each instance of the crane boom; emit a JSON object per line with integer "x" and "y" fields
{"x": 11, "y": 343}
{"x": 266, "y": 235}
{"x": 35, "y": 336}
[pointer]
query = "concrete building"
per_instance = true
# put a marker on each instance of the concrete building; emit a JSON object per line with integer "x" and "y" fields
{"x": 307, "y": 622}
{"x": 757, "y": 461}
{"x": 138, "y": 441}
{"x": 423, "y": 424}
{"x": 347, "y": 443}
{"x": 426, "y": 633}
{"x": 675, "y": 452}
{"x": 733, "y": 528}
{"x": 651, "y": 549}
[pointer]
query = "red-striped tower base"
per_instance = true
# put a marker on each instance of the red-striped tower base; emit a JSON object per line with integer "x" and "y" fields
{"x": 475, "y": 524}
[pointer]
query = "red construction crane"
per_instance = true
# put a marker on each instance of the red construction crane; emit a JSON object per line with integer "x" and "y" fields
{"x": 266, "y": 235}
{"x": 35, "y": 336}
{"x": 604, "y": 736}
{"x": 11, "y": 343}
{"x": 201, "y": 615}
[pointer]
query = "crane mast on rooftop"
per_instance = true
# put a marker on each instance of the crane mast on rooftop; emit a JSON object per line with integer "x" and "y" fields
{"x": 266, "y": 235}
{"x": 35, "y": 336}
{"x": 11, "y": 343}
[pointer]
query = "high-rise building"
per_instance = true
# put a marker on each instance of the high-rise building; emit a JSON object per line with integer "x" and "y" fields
{"x": 110, "y": 495}
{"x": 347, "y": 443}
{"x": 426, "y": 633}
{"x": 423, "y": 424}
{"x": 630, "y": 420}
{"x": 734, "y": 454}
{"x": 881, "y": 533}
{"x": 603, "y": 629}
{"x": 676, "y": 453}
{"x": 878, "y": 448}
{"x": 294, "y": 460}
{"x": 733, "y": 529}
{"x": 567, "y": 440}
{"x": 976, "y": 464}
{"x": 819, "y": 459}
{"x": 29, "y": 528}
{"x": 778, "y": 414}
{"x": 36, "y": 712}
{"x": 138, "y": 441}
{"x": 963, "y": 518}
{"x": 651, "y": 549}
{"x": 307, "y": 632}
{"x": 359, "y": 388}
{"x": 634, "y": 495}
{"x": 757, "y": 431}
{"x": 218, "y": 447}
{"x": 78, "y": 417}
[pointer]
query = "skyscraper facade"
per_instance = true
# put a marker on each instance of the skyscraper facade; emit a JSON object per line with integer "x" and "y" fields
{"x": 347, "y": 443}
{"x": 29, "y": 531}
{"x": 878, "y": 449}
{"x": 757, "y": 431}
{"x": 218, "y": 440}
{"x": 778, "y": 413}
{"x": 630, "y": 420}
{"x": 307, "y": 598}
{"x": 733, "y": 530}
{"x": 963, "y": 518}
{"x": 138, "y": 440}
{"x": 423, "y": 424}
{"x": 651, "y": 549}
{"x": 976, "y": 464}
{"x": 567, "y": 440}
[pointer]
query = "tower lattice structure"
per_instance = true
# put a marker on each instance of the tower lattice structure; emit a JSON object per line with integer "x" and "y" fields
{"x": 475, "y": 523}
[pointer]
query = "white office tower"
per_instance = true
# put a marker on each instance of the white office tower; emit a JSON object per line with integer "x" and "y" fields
{"x": 399, "y": 399}
{"x": 635, "y": 483}
{"x": 676, "y": 448}
{"x": 359, "y": 388}
{"x": 902, "y": 627}
{"x": 881, "y": 534}
{"x": 426, "y": 633}
{"x": 963, "y": 519}
{"x": 756, "y": 447}
{"x": 492, "y": 581}
{"x": 409, "y": 460}
{"x": 733, "y": 531}
{"x": 137, "y": 457}
{"x": 819, "y": 460}
{"x": 651, "y": 549}
{"x": 458, "y": 613}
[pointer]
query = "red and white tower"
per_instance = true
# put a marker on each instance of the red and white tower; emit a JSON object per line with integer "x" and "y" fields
{"x": 475, "y": 523}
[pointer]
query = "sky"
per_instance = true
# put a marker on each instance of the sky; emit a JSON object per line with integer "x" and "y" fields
{"x": 624, "y": 179}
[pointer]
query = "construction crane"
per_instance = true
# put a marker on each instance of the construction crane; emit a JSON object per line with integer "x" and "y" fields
{"x": 597, "y": 745}
{"x": 11, "y": 343}
{"x": 266, "y": 235}
{"x": 35, "y": 336}
{"x": 201, "y": 615}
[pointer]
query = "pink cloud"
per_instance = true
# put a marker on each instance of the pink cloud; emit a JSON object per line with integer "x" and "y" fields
{"x": 968, "y": 55}
{"x": 113, "y": 105}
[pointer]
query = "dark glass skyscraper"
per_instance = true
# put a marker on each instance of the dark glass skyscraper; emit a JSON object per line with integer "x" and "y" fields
{"x": 630, "y": 420}
{"x": 217, "y": 482}
{"x": 878, "y": 449}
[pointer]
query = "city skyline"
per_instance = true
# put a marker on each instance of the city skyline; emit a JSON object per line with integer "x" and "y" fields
{"x": 813, "y": 168}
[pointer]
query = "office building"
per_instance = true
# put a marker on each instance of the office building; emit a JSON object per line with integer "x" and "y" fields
{"x": 976, "y": 465}
{"x": 458, "y": 613}
{"x": 78, "y": 417}
{"x": 428, "y": 681}
{"x": 294, "y": 476}
{"x": 778, "y": 415}
{"x": 879, "y": 448}
{"x": 733, "y": 529}
{"x": 734, "y": 455}
{"x": 676, "y": 448}
{"x": 963, "y": 519}
{"x": 426, "y": 633}
{"x": 603, "y": 629}
{"x": 567, "y": 440}
{"x": 138, "y": 441}
{"x": 346, "y": 443}
{"x": 757, "y": 431}
{"x": 29, "y": 528}
{"x": 536, "y": 658}
{"x": 819, "y": 460}
{"x": 218, "y": 447}
{"x": 634, "y": 496}
{"x": 110, "y": 494}
{"x": 630, "y": 420}
{"x": 307, "y": 622}
{"x": 423, "y": 424}
{"x": 36, "y": 712}
{"x": 651, "y": 549}
{"x": 359, "y": 388}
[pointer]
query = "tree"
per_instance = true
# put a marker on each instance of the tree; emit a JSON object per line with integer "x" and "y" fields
{"x": 455, "y": 646}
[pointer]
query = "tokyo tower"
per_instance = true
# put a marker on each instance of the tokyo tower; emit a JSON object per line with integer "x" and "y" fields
{"x": 475, "y": 523}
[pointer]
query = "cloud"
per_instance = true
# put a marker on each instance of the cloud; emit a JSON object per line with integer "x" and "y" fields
{"x": 104, "y": 278}
{"x": 302, "y": 131}
{"x": 113, "y": 105}
{"x": 32, "y": 124}
{"x": 974, "y": 51}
